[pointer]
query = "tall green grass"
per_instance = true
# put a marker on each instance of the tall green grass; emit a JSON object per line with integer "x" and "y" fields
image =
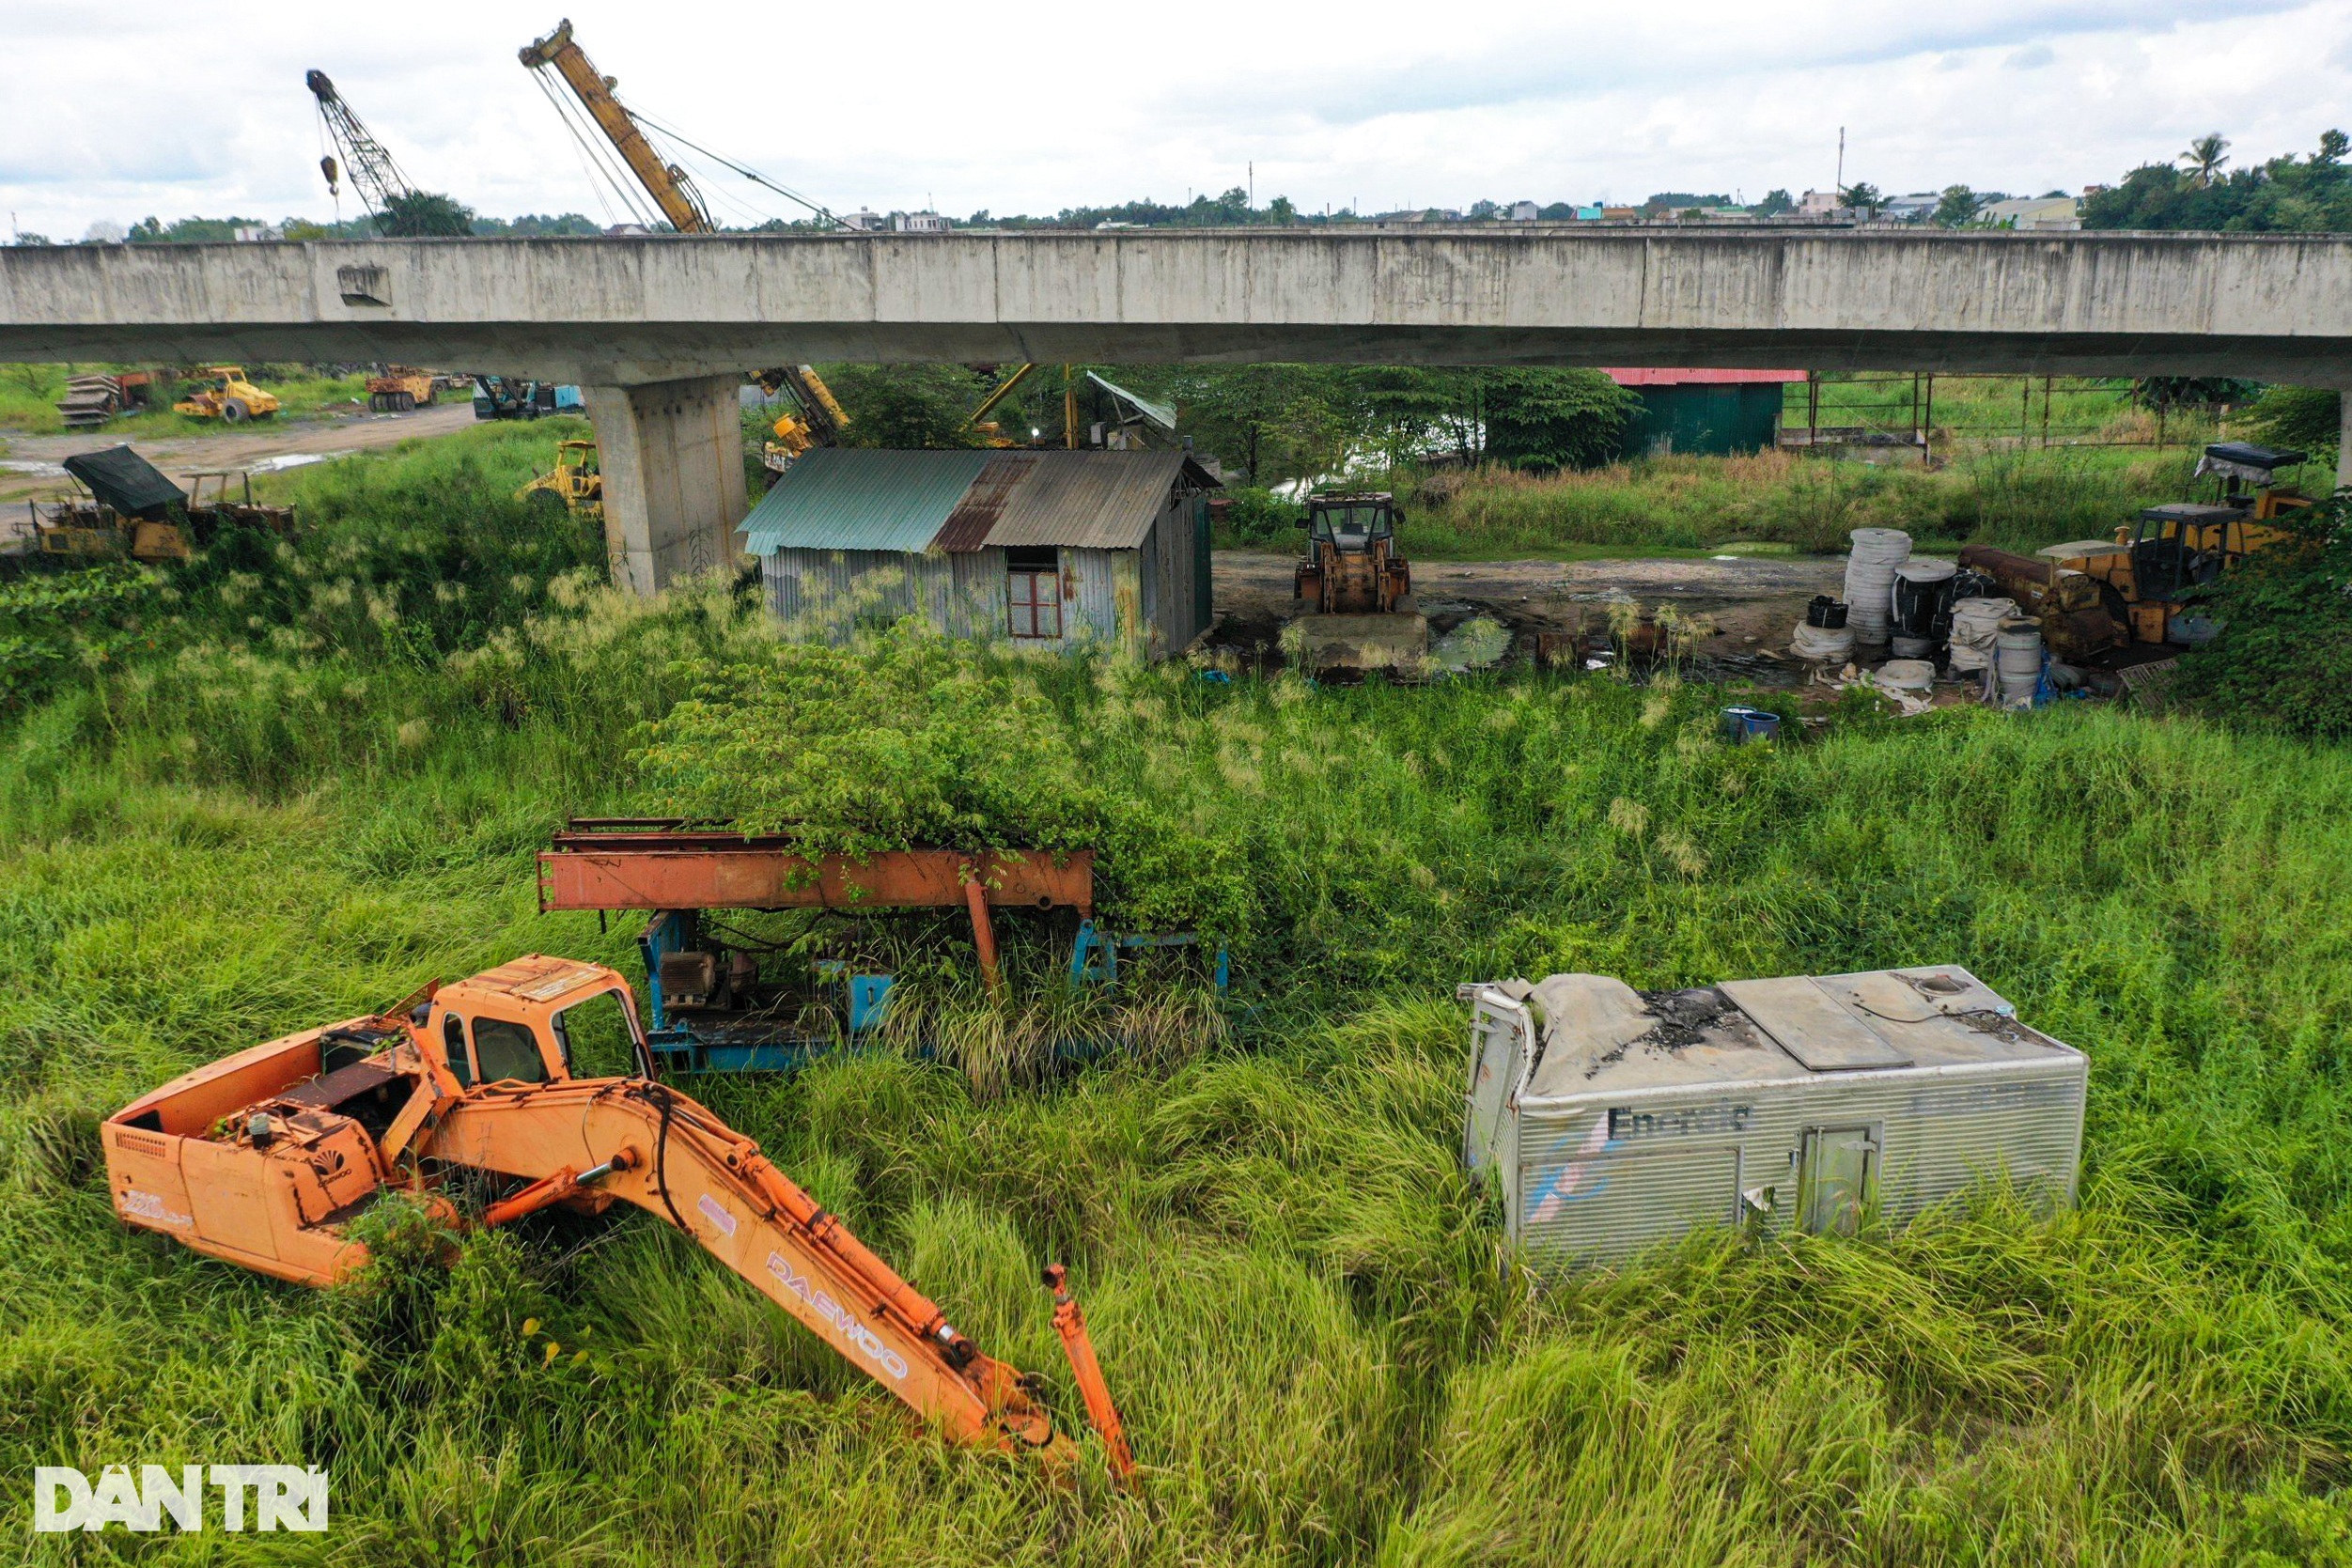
{"x": 2019, "y": 499}
{"x": 1321, "y": 1351}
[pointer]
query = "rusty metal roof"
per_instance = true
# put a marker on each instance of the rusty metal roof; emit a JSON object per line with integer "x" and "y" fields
{"x": 843, "y": 498}
{"x": 968, "y": 526}
{"x": 1092, "y": 500}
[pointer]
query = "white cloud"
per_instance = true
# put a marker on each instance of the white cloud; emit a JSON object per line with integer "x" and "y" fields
{"x": 1384, "y": 103}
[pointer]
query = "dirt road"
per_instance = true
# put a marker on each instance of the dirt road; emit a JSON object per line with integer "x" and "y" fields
{"x": 30, "y": 467}
{"x": 1751, "y": 602}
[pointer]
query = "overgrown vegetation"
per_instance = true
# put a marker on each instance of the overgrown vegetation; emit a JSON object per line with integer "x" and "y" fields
{"x": 2284, "y": 194}
{"x": 1300, "y": 1302}
{"x": 2284, "y": 656}
{"x": 2019, "y": 500}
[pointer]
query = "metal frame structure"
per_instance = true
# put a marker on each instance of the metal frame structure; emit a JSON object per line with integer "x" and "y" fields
{"x": 677, "y": 870}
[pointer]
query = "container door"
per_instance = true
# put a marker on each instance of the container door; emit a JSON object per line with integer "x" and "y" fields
{"x": 1496, "y": 1042}
{"x": 1833, "y": 1182}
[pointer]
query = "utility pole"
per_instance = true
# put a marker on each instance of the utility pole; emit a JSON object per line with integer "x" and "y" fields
{"x": 1841, "y": 166}
{"x": 1252, "y": 185}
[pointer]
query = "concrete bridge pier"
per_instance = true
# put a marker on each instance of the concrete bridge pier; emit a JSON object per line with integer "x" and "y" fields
{"x": 2343, "y": 439}
{"x": 672, "y": 454}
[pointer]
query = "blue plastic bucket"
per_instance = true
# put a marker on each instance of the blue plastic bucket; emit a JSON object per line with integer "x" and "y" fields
{"x": 1743, "y": 724}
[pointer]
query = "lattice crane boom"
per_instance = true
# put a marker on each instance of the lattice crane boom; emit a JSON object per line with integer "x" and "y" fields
{"x": 366, "y": 160}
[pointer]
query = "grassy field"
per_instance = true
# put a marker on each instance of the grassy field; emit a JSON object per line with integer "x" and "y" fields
{"x": 30, "y": 393}
{"x": 315, "y": 778}
{"x": 2019, "y": 499}
{"x": 1964, "y": 410}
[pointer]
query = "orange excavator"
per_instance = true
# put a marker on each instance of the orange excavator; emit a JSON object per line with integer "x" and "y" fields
{"x": 265, "y": 1158}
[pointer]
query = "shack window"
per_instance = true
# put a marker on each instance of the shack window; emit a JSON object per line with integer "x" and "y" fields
{"x": 508, "y": 1051}
{"x": 453, "y": 1047}
{"x": 1032, "y": 593}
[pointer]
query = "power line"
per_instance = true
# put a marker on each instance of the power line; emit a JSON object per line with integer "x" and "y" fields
{"x": 597, "y": 155}
{"x": 750, "y": 174}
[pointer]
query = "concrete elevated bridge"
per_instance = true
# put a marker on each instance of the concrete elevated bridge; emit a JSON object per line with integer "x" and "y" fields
{"x": 659, "y": 330}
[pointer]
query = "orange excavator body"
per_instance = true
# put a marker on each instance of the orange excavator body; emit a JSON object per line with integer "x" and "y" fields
{"x": 264, "y": 1157}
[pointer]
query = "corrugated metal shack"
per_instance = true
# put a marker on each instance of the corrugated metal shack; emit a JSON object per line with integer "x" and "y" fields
{"x": 1614, "y": 1119}
{"x": 1048, "y": 548}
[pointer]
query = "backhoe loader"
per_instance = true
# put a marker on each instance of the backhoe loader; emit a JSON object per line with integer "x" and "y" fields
{"x": 469, "y": 1092}
{"x": 1354, "y": 606}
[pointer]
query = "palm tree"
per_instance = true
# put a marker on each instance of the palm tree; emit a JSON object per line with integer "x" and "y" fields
{"x": 2203, "y": 156}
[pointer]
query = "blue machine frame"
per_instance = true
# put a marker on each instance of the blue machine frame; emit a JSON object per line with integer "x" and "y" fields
{"x": 679, "y": 1047}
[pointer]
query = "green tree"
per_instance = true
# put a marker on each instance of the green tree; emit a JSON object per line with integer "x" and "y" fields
{"x": 2192, "y": 392}
{"x": 1775, "y": 202}
{"x": 1544, "y": 417}
{"x": 2284, "y": 194}
{"x": 424, "y": 214}
{"x": 2284, "y": 656}
{"x": 907, "y": 406}
{"x": 2308, "y": 417}
{"x": 1956, "y": 207}
{"x": 1277, "y": 421}
{"x": 1864, "y": 197}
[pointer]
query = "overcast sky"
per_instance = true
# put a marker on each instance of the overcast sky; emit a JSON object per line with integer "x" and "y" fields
{"x": 121, "y": 110}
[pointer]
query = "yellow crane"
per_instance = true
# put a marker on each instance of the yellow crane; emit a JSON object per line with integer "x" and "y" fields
{"x": 666, "y": 184}
{"x": 818, "y": 419}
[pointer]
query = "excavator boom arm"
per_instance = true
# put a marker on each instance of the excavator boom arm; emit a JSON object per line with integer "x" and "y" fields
{"x": 647, "y": 1144}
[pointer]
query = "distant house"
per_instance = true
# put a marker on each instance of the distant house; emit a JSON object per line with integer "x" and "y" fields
{"x": 1709, "y": 412}
{"x": 920, "y": 223}
{"x": 1590, "y": 213}
{"x": 1917, "y": 207}
{"x": 1817, "y": 204}
{"x": 862, "y": 219}
{"x": 1049, "y": 550}
{"x": 1525, "y": 211}
{"x": 2056, "y": 213}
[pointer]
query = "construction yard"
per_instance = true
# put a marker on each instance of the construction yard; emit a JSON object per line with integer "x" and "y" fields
{"x": 1350, "y": 935}
{"x": 243, "y": 800}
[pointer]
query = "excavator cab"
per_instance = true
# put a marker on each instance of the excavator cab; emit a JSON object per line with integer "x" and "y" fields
{"x": 536, "y": 1020}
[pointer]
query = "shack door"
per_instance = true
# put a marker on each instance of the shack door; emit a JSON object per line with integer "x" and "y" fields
{"x": 1834, "y": 1179}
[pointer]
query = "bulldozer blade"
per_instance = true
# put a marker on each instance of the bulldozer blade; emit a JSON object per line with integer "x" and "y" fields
{"x": 1320, "y": 642}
